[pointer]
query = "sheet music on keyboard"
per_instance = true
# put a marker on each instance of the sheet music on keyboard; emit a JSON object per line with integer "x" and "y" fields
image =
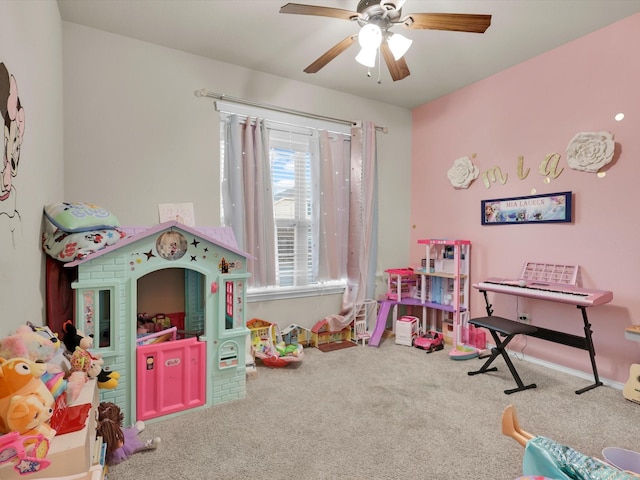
{"x": 550, "y": 273}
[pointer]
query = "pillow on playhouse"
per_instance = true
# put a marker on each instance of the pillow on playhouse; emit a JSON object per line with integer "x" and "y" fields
{"x": 67, "y": 247}
{"x": 80, "y": 217}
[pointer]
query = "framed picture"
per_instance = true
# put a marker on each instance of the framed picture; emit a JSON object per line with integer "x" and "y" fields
{"x": 547, "y": 208}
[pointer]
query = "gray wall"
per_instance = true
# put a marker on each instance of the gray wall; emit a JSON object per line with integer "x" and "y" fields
{"x": 136, "y": 136}
{"x": 31, "y": 49}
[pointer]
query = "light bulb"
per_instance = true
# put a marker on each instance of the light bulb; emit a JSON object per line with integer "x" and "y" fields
{"x": 399, "y": 45}
{"x": 370, "y": 36}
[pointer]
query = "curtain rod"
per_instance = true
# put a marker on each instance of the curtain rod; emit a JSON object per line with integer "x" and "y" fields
{"x": 221, "y": 96}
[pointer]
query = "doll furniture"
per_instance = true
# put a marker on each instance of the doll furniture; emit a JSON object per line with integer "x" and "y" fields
{"x": 361, "y": 331}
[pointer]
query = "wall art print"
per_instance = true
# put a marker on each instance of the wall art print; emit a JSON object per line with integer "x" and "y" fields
{"x": 12, "y": 116}
{"x": 546, "y": 208}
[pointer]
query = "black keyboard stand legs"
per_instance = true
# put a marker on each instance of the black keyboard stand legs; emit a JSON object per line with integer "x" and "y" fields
{"x": 508, "y": 329}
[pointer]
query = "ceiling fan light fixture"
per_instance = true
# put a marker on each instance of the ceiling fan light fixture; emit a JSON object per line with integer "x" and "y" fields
{"x": 399, "y": 45}
{"x": 370, "y": 36}
{"x": 367, "y": 57}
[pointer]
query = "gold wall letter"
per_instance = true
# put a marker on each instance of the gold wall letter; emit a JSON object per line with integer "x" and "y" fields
{"x": 521, "y": 173}
{"x": 549, "y": 166}
{"x": 489, "y": 176}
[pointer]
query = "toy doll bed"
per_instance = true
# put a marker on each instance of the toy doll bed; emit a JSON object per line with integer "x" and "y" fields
{"x": 272, "y": 350}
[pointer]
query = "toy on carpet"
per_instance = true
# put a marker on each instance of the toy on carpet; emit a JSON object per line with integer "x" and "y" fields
{"x": 26, "y": 404}
{"x": 121, "y": 442}
{"x": 27, "y": 452}
{"x": 546, "y": 458}
{"x": 83, "y": 361}
{"x": 430, "y": 341}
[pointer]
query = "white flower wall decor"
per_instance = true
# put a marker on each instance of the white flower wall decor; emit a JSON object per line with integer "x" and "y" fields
{"x": 590, "y": 151}
{"x": 462, "y": 173}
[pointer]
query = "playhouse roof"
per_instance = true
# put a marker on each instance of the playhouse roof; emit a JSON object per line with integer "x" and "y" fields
{"x": 221, "y": 236}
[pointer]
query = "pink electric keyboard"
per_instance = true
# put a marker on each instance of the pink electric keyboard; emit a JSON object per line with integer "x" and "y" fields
{"x": 554, "y": 292}
{"x": 544, "y": 281}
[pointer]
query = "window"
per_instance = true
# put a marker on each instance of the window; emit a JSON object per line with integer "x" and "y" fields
{"x": 96, "y": 315}
{"x": 297, "y": 193}
{"x": 290, "y": 162}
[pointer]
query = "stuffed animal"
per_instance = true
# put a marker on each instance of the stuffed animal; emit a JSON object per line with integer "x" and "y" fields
{"x": 20, "y": 377}
{"x": 29, "y": 414}
{"x": 39, "y": 344}
{"x": 83, "y": 361}
{"x": 58, "y": 359}
{"x": 25, "y": 343}
{"x": 75, "y": 338}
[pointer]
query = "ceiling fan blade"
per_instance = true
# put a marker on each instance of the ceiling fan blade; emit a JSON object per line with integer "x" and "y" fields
{"x": 397, "y": 68}
{"x": 300, "y": 9}
{"x": 330, "y": 54}
{"x": 456, "y": 22}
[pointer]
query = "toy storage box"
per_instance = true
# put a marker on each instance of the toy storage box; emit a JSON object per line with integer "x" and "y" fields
{"x": 406, "y": 330}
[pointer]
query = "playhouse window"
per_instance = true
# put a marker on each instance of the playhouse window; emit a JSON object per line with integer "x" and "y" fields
{"x": 96, "y": 309}
{"x": 232, "y": 308}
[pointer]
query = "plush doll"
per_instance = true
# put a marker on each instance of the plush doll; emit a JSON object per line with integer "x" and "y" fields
{"x": 21, "y": 387}
{"x": 29, "y": 415}
{"x": 83, "y": 361}
{"x": 39, "y": 344}
{"x": 75, "y": 338}
{"x": 121, "y": 442}
{"x": 27, "y": 344}
{"x": 58, "y": 359}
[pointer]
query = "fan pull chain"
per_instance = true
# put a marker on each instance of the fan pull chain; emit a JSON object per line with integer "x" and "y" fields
{"x": 379, "y": 63}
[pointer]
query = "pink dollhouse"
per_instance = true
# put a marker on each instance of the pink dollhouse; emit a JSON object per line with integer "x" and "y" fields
{"x": 172, "y": 373}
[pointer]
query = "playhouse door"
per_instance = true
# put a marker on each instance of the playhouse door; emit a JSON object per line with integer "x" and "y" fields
{"x": 194, "y": 301}
{"x": 171, "y": 377}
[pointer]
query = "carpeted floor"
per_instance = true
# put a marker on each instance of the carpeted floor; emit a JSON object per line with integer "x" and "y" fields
{"x": 392, "y": 412}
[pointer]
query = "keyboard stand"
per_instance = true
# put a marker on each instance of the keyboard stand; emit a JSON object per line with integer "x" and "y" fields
{"x": 508, "y": 329}
{"x": 576, "y": 341}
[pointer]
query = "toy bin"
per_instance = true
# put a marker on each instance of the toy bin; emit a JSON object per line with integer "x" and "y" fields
{"x": 406, "y": 330}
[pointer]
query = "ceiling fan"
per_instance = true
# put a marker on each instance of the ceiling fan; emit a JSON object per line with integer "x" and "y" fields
{"x": 376, "y": 18}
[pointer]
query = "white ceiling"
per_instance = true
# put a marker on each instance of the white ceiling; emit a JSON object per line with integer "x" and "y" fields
{"x": 253, "y": 34}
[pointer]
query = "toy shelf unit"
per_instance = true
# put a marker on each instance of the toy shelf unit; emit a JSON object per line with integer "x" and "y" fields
{"x": 73, "y": 451}
{"x": 444, "y": 284}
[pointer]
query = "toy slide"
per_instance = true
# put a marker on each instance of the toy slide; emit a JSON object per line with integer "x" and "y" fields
{"x": 381, "y": 324}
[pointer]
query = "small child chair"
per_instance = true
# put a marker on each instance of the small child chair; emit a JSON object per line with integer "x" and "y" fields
{"x": 361, "y": 333}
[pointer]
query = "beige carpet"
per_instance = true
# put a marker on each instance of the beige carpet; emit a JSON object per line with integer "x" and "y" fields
{"x": 391, "y": 412}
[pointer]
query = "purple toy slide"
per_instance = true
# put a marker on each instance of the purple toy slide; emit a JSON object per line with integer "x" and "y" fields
{"x": 381, "y": 324}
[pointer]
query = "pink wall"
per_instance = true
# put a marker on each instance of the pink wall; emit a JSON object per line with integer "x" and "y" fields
{"x": 531, "y": 110}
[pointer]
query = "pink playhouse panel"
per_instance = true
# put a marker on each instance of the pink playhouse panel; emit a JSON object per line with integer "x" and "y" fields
{"x": 171, "y": 377}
